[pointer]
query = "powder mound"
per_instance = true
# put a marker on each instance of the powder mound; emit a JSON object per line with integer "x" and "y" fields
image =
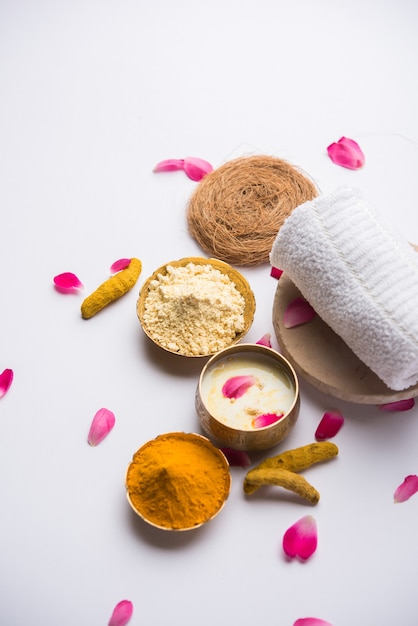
{"x": 194, "y": 309}
{"x": 237, "y": 210}
{"x": 178, "y": 481}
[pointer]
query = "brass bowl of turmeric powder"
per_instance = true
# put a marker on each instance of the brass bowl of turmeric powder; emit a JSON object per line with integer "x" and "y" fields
{"x": 178, "y": 481}
{"x": 247, "y": 397}
{"x": 196, "y": 306}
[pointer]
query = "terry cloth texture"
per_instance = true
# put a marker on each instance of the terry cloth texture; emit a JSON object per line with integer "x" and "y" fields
{"x": 361, "y": 277}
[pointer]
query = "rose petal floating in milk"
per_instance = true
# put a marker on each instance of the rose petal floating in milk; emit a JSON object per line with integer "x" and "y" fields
{"x": 266, "y": 419}
{"x": 236, "y": 386}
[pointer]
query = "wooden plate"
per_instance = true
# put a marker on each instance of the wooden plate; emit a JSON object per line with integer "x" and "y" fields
{"x": 322, "y": 358}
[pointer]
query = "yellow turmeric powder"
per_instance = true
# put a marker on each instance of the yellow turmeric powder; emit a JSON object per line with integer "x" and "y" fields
{"x": 112, "y": 289}
{"x": 178, "y": 481}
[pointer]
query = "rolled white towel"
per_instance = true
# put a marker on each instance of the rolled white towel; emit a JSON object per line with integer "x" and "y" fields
{"x": 361, "y": 277}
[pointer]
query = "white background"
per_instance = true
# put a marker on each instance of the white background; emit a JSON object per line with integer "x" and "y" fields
{"x": 92, "y": 95}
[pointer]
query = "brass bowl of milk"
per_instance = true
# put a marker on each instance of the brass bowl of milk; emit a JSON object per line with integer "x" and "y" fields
{"x": 247, "y": 397}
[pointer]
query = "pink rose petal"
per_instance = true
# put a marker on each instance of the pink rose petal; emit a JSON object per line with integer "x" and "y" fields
{"x": 400, "y": 405}
{"x": 347, "y": 153}
{"x": 102, "y": 424}
{"x": 169, "y": 165}
{"x": 120, "y": 264}
{"x": 67, "y": 282}
{"x": 196, "y": 168}
{"x": 406, "y": 489}
{"x": 122, "y": 613}
{"x": 329, "y": 425}
{"x": 276, "y": 273}
{"x": 6, "y": 379}
{"x": 311, "y": 621}
{"x": 266, "y": 419}
{"x": 236, "y": 386}
{"x": 301, "y": 539}
{"x": 265, "y": 340}
{"x": 236, "y": 458}
{"x": 297, "y": 312}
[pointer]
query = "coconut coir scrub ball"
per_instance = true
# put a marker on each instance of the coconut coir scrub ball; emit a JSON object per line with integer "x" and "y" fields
{"x": 237, "y": 210}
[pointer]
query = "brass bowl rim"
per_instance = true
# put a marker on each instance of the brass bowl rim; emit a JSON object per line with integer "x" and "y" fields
{"x": 216, "y": 452}
{"x": 235, "y": 275}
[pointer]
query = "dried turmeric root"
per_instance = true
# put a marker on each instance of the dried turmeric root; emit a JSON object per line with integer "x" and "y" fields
{"x": 282, "y": 478}
{"x": 113, "y": 288}
{"x": 299, "y": 459}
{"x": 295, "y": 460}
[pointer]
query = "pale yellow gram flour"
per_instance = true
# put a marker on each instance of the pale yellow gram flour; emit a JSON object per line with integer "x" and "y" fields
{"x": 194, "y": 309}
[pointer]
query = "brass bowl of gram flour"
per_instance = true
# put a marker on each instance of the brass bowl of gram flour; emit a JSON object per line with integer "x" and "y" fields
{"x": 196, "y": 306}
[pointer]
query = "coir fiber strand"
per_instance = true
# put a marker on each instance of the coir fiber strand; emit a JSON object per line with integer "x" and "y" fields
{"x": 237, "y": 210}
